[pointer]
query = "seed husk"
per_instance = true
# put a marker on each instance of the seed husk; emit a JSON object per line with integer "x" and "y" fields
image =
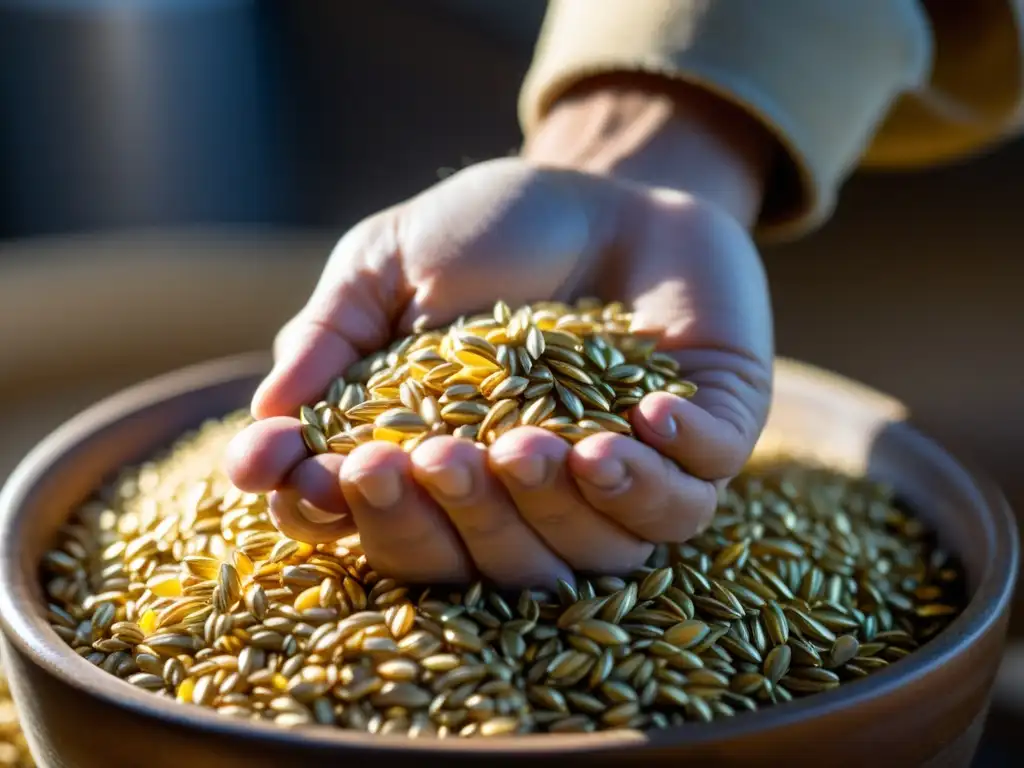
{"x": 175, "y": 581}
{"x": 620, "y": 603}
{"x": 810, "y": 628}
{"x": 497, "y": 412}
{"x": 716, "y": 608}
{"x": 775, "y": 623}
{"x": 776, "y": 664}
{"x": 602, "y": 632}
{"x": 687, "y": 634}
{"x": 624, "y": 374}
{"x": 401, "y": 420}
{"x": 510, "y": 387}
{"x": 654, "y": 584}
{"x": 314, "y": 438}
{"x": 570, "y": 401}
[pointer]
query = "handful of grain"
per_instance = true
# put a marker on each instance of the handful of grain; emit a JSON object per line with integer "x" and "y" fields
{"x": 573, "y": 370}
{"x": 178, "y": 583}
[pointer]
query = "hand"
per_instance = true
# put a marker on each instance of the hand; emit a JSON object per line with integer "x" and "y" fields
{"x": 530, "y": 507}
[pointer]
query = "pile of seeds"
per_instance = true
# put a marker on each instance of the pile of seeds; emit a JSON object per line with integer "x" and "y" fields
{"x": 14, "y": 752}
{"x": 178, "y": 583}
{"x": 573, "y": 370}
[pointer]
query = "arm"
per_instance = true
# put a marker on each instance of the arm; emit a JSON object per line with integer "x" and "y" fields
{"x": 834, "y": 84}
{"x": 661, "y": 133}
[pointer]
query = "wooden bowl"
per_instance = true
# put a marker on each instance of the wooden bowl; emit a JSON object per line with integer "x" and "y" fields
{"x": 928, "y": 709}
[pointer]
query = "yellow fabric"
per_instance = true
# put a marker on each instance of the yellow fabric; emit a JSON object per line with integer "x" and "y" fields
{"x": 841, "y": 84}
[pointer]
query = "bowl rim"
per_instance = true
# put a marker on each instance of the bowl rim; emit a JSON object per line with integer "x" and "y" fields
{"x": 33, "y": 638}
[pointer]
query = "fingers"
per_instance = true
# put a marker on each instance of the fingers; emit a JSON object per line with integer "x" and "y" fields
{"x": 297, "y": 519}
{"x": 706, "y": 445}
{"x": 262, "y": 455}
{"x": 505, "y": 549}
{"x": 530, "y": 505}
{"x": 531, "y": 463}
{"x": 698, "y": 281}
{"x": 315, "y": 480}
{"x": 308, "y": 355}
{"x": 306, "y": 503}
{"x": 319, "y": 499}
{"x": 403, "y": 532}
{"x": 641, "y": 490}
{"x": 270, "y": 455}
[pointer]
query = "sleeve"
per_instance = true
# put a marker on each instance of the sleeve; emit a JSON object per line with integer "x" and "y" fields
{"x": 879, "y": 83}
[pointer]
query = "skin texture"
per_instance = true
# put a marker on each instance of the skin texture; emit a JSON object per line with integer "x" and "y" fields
{"x": 597, "y": 205}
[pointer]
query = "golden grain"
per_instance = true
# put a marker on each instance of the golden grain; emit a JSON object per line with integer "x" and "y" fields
{"x": 176, "y": 582}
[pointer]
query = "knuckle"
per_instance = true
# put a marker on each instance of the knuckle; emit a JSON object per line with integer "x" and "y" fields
{"x": 546, "y": 515}
{"x": 397, "y": 543}
{"x": 641, "y": 509}
{"x": 479, "y": 523}
{"x": 725, "y": 462}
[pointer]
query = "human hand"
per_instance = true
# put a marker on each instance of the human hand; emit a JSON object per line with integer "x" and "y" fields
{"x": 530, "y": 507}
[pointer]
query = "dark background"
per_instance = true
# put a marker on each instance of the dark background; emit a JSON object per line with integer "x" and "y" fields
{"x": 206, "y": 153}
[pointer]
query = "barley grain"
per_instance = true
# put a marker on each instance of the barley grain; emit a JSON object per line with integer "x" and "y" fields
{"x": 178, "y": 583}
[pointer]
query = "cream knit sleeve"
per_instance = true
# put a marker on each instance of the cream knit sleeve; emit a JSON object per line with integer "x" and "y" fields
{"x": 875, "y": 82}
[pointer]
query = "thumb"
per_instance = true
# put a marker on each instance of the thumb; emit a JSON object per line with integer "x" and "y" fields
{"x": 348, "y": 315}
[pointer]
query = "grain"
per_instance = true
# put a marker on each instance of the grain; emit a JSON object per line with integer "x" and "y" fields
{"x": 14, "y": 752}
{"x": 178, "y": 583}
{"x": 574, "y": 370}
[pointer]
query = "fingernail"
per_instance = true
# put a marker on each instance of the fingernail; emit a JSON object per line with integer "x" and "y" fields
{"x": 663, "y": 424}
{"x": 527, "y": 470}
{"x": 314, "y": 514}
{"x": 382, "y": 489}
{"x": 453, "y": 481}
{"x": 607, "y": 474}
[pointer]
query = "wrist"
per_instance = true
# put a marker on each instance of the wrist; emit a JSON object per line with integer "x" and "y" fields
{"x": 661, "y": 133}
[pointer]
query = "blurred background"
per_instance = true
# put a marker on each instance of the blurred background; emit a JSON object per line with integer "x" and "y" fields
{"x": 173, "y": 174}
